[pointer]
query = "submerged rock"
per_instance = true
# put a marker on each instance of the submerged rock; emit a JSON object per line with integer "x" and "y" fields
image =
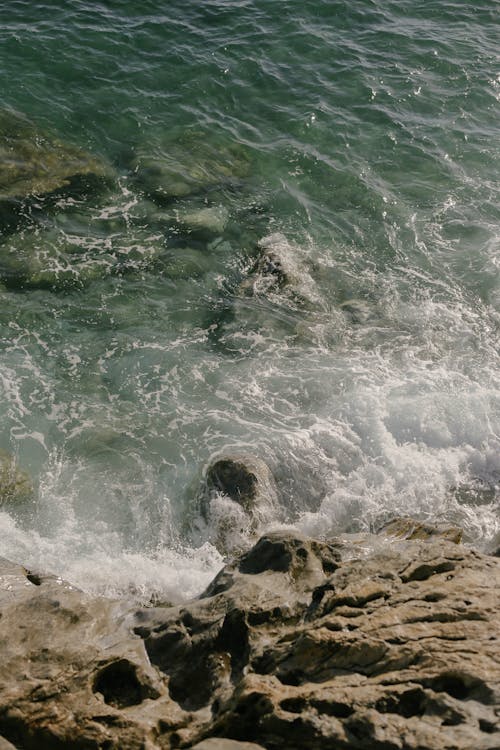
{"x": 33, "y": 162}
{"x": 186, "y": 263}
{"x": 212, "y": 219}
{"x": 295, "y": 644}
{"x": 169, "y": 167}
{"x": 270, "y": 302}
{"x": 49, "y": 257}
{"x": 15, "y": 484}
{"x": 476, "y": 492}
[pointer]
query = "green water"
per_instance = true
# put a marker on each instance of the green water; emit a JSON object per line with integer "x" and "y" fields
{"x": 135, "y": 343}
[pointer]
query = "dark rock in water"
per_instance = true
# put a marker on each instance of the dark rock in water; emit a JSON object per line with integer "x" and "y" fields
{"x": 169, "y": 167}
{"x": 33, "y": 162}
{"x": 272, "y": 300}
{"x": 238, "y": 496}
{"x": 270, "y": 267}
{"x": 279, "y": 267}
{"x": 295, "y": 644}
{"x": 476, "y": 492}
{"x": 246, "y": 479}
{"x": 408, "y": 528}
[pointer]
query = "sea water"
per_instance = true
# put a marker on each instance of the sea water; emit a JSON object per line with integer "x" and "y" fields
{"x": 361, "y": 141}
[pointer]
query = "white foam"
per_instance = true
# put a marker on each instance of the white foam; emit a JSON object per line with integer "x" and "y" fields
{"x": 102, "y": 566}
{"x": 360, "y": 419}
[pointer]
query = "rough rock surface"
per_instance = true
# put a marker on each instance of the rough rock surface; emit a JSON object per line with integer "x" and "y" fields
{"x": 293, "y": 645}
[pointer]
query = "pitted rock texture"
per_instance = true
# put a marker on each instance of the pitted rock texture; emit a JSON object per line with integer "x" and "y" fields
{"x": 291, "y": 646}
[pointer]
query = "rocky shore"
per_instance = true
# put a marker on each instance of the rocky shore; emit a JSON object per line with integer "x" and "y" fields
{"x": 377, "y": 642}
{"x": 386, "y": 642}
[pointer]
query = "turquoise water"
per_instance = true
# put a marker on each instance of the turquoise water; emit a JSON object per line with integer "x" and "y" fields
{"x": 362, "y": 139}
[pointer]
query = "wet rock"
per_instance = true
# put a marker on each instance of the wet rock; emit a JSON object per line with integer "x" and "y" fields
{"x": 33, "y": 162}
{"x": 476, "y": 492}
{"x": 280, "y": 267}
{"x": 15, "y": 484}
{"x": 245, "y": 478}
{"x": 408, "y": 528}
{"x": 238, "y": 496}
{"x": 270, "y": 302}
{"x": 169, "y": 167}
{"x": 295, "y": 644}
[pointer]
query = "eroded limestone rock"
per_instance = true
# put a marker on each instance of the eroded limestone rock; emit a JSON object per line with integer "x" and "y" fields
{"x": 70, "y": 674}
{"x": 295, "y": 644}
{"x": 4, "y": 745}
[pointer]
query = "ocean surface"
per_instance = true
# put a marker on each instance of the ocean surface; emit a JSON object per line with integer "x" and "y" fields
{"x": 140, "y": 334}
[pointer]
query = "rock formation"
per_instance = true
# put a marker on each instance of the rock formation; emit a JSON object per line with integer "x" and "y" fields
{"x": 296, "y": 644}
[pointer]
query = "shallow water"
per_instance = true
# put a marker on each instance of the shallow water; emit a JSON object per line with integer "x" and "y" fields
{"x": 364, "y": 141}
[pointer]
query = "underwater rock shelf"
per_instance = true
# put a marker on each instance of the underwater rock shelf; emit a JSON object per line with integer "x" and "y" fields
{"x": 296, "y": 643}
